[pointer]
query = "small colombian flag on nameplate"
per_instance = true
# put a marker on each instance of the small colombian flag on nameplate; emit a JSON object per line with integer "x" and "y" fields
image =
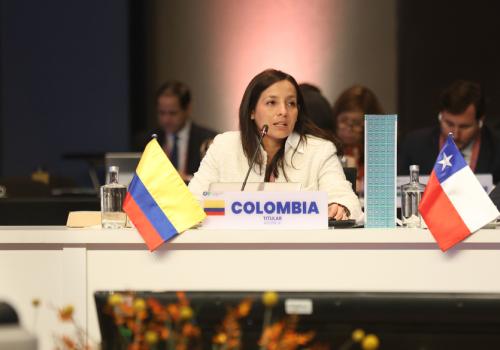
{"x": 158, "y": 201}
{"x": 214, "y": 207}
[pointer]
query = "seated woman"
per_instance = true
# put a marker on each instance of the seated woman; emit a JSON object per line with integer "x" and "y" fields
{"x": 294, "y": 149}
{"x": 349, "y": 125}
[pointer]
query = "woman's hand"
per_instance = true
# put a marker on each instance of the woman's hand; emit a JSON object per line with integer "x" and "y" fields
{"x": 338, "y": 212}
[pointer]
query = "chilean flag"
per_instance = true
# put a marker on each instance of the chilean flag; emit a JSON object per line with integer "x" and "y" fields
{"x": 454, "y": 203}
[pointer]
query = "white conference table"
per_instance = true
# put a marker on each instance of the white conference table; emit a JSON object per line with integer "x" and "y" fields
{"x": 61, "y": 266}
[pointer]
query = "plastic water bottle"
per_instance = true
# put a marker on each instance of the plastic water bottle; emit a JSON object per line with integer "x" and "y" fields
{"x": 411, "y": 193}
{"x": 112, "y": 197}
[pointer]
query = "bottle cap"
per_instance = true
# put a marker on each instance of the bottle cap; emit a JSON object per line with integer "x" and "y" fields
{"x": 414, "y": 168}
{"x": 113, "y": 169}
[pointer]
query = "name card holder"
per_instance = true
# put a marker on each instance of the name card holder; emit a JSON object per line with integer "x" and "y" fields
{"x": 265, "y": 210}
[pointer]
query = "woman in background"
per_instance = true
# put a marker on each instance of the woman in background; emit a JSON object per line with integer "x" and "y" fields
{"x": 349, "y": 125}
{"x": 294, "y": 149}
{"x": 319, "y": 109}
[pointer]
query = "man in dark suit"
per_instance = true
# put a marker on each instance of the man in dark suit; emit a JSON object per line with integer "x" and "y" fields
{"x": 461, "y": 113}
{"x": 180, "y": 138}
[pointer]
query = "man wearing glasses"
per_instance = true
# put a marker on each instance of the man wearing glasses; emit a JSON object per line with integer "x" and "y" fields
{"x": 461, "y": 113}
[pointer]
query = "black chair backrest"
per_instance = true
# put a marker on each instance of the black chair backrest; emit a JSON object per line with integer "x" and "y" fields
{"x": 7, "y": 314}
{"x": 351, "y": 174}
{"x": 495, "y": 195}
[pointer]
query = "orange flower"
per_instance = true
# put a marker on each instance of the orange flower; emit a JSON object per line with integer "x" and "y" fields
{"x": 139, "y": 337}
{"x": 173, "y": 310}
{"x": 66, "y": 313}
{"x": 294, "y": 339}
{"x": 273, "y": 332}
{"x": 304, "y": 338}
{"x": 127, "y": 310}
{"x": 196, "y": 332}
{"x": 132, "y": 325}
{"x": 119, "y": 320}
{"x": 142, "y": 315}
{"x": 244, "y": 308}
{"x": 183, "y": 301}
{"x": 164, "y": 333}
{"x": 155, "y": 306}
{"x": 220, "y": 338}
{"x": 190, "y": 331}
{"x": 68, "y": 343}
{"x": 283, "y": 335}
{"x": 162, "y": 316}
{"x": 234, "y": 343}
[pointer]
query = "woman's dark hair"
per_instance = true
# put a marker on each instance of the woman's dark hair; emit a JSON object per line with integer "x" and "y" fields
{"x": 357, "y": 97}
{"x": 248, "y": 129}
{"x": 318, "y": 107}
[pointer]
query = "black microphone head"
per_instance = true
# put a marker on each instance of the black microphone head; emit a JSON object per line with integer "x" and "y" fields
{"x": 265, "y": 129}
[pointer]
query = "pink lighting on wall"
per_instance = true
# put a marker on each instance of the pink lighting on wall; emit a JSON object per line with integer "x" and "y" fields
{"x": 247, "y": 37}
{"x": 217, "y": 46}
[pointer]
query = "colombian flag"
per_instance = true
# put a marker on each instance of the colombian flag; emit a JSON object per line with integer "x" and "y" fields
{"x": 158, "y": 201}
{"x": 214, "y": 207}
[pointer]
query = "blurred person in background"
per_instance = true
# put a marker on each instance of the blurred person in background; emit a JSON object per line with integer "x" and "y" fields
{"x": 317, "y": 106}
{"x": 180, "y": 138}
{"x": 320, "y": 112}
{"x": 461, "y": 112}
{"x": 349, "y": 125}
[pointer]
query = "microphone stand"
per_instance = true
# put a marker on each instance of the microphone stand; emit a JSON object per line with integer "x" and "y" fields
{"x": 263, "y": 133}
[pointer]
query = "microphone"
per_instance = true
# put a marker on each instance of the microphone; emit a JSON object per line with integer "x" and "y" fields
{"x": 263, "y": 133}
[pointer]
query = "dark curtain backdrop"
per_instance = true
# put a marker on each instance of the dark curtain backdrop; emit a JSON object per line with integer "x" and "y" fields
{"x": 64, "y": 83}
{"x": 438, "y": 42}
{"x": 76, "y": 77}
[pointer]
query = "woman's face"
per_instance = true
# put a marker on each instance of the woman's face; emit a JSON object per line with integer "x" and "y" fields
{"x": 277, "y": 107}
{"x": 350, "y": 127}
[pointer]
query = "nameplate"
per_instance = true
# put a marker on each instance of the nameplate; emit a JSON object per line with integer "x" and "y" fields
{"x": 265, "y": 210}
